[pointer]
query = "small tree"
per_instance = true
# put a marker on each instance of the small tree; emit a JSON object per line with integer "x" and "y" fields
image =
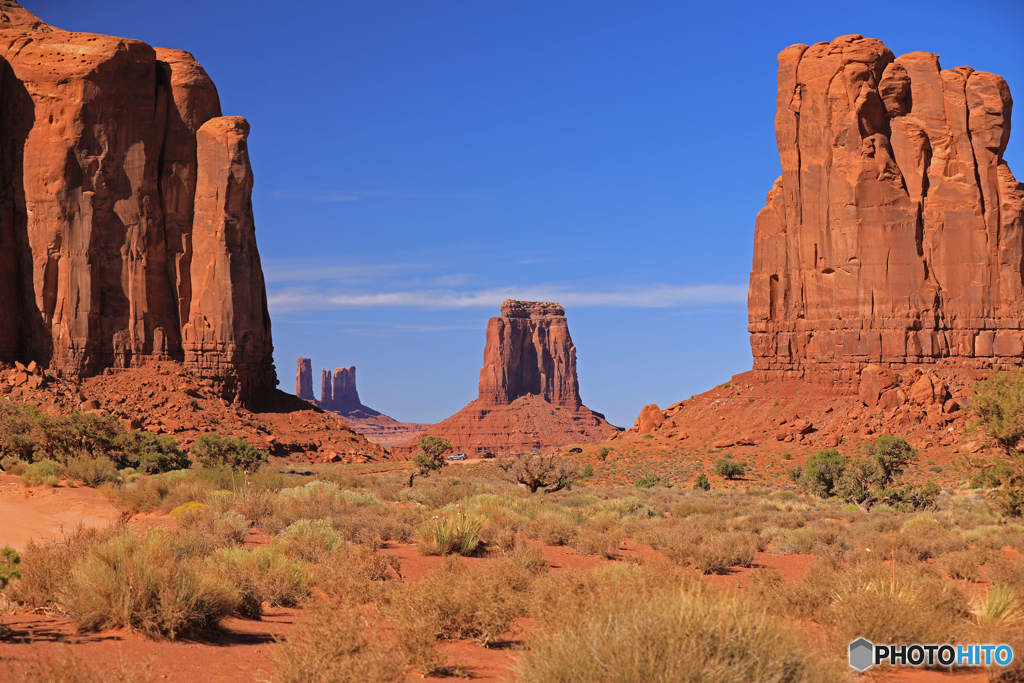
{"x": 729, "y": 469}
{"x": 702, "y": 482}
{"x": 822, "y": 473}
{"x": 538, "y": 470}
{"x": 875, "y": 477}
{"x": 431, "y": 456}
{"x": 149, "y": 453}
{"x": 9, "y": 561}
{"x": 234, "y": 453}
{"x": 997, "y": 409}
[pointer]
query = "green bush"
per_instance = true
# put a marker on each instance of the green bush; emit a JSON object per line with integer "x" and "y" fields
{"x": 702, "y": 482}
{"x": 729, "y": 469}
{"x": 149, "y": 453}
{"x": 588, "y": 471}
{"x": 9, "y": 561}
{"x": 651, "y": 480}
{"x": 42, "y": 473}
{"x": 91, "y": 471}
{"x": 234, "y": 453}
{"x": 822, "y": 472}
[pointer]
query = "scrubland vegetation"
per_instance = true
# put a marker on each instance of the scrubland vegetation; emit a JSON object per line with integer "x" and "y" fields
{"x": 677, "y": 589}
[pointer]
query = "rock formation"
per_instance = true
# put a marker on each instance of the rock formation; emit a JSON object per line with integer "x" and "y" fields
{"x": 126, "y": 227}
{"x": 529, "y": 352}
{"x": 304, "y": 379}
{"x": 529, "y": 394}
{"x": 340, "y": 398}
{"x": 895, "y": 235}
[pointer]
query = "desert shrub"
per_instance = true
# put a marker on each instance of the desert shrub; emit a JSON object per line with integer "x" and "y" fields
{"x": 233, "y": 453}
{"x": 729, "y": 469}
{"x": 163, "y": 491}
{"x": 650, "y": 480}
{"x": 707, "y": 552}
{"x": 221, "y": 528}
{"x": 357, "y": 573}
{"x": 91, "y": 471}
{"x": 318, "y": 500}
{"x": 592, "y": 541}
{"x": 457, "y": 602}
{"x": 42, "y": 473}
{"x": 553, "y": 527}
{"x": 962, "y": 564}
{"x": 701, "y": 482}
{"x": 693, "y": 633}
{"x": 13, "y": 465}
{"x": 9, "y": 561}
{"x": 141, "y": 583}
{"x": 375, "y": 524}
{"x": 150, "y": 454}
{"x": 46, "y": 567}
{"x": 822, "y": 473}
{"x": 534, "y": 471}
{"x": 915, "y": 606}
{"x": 335, "y": 646}
{"x": 261, "y": 575}
{"x": 29, "y": 434}
{"x": 588, "y": 471}
{"x": 456, "y": 531}
{"x": 310, "y": 540}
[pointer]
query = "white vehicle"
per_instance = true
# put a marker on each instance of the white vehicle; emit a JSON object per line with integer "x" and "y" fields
{"x": 457, "y": 456}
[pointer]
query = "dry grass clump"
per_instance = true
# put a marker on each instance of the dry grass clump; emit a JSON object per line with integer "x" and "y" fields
{"x": 674, "y": 633}
{"x": 555, "y": 526}
{"x": 163, "y": 492}
{"x": 963, "y": 564}
{"x": 590, "y": 540}
{"x": 42, "y": 473}
{"x": 222, "y": 528}
{"x": 310, "y": 540}
{"x": 357, "y": 573}
{"x": 144, "y": 583}
{"x": 317, "y": 500}
{"x": 454, "y": 531}
{"x": 457, "y": 602}
{"x": 335, "y": 646}
{"x": 91, "y": 471}
{"x": 67, "y": 668}
{"x": 711, "y": 553}
{"x": 263, "y": 575}
{"x": 46, "y": 567}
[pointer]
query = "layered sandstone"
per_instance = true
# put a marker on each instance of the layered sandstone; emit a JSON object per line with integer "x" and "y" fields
{"x": 126, "y": 227}
{"x": 895, "y": 234}
{"x": 529, "y": 391}
{"x": 304, "y": 379}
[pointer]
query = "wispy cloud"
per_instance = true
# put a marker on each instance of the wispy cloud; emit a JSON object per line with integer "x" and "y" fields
{"x": 328, "y": 196}
{"x": 649, "y": 296}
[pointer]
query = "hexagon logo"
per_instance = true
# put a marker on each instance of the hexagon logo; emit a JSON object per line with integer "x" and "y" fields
{"x": 861, "y": 654}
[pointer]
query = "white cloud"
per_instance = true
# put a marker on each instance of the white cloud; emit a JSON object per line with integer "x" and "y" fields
{"x": 649, "y": 296}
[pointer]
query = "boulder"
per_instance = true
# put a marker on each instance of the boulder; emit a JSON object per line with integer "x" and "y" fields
{"x": 650, "y": 418}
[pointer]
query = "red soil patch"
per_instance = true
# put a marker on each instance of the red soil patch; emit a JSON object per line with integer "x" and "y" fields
{"x": 40, "y": 513}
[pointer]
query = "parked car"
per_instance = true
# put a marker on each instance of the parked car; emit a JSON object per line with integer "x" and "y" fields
{"x": 575, "y": 450}
{"x": 487, "y": 454}
{"x": 457, "y": 456}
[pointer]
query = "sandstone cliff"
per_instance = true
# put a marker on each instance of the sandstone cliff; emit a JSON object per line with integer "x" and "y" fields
{"x": 304, "y": 379}
{"x": 528, "y": 393}
{"x": 126, "y": 228}
{"x": 895, "y": 234}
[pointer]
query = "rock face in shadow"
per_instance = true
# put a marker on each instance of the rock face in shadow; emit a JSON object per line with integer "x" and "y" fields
{"x": 895, "y": 235}
{"x": 126, "y": 227}
{"x": 528, "y": 393}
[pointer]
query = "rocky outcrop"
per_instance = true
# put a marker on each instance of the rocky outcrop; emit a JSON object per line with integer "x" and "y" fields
{"x": 340, "y": 398}
{"x": 528, "y": 392}
{"x": 304, "y": 379}
{"x": 529, "y": 352}
{"x": 895, "y": 235}
{"x": 126, "y": 228}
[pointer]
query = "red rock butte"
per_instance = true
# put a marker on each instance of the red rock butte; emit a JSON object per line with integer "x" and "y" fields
{"x": 895, "y": 234}
{"x": 126, "y": 223}
{"x": 529, "y": 394}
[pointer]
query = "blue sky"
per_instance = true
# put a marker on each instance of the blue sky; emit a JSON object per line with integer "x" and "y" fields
{"x": 418, "y": 162}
